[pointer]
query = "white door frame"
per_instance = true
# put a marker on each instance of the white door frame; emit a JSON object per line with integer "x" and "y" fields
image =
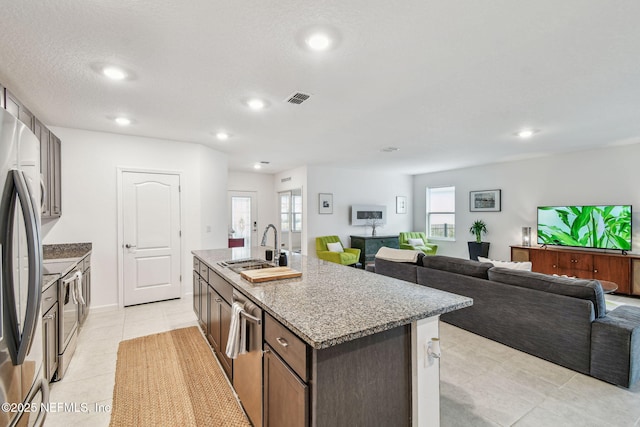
{"x": 121, "y": 170}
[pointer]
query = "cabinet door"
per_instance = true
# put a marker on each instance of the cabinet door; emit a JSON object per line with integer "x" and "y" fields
{"x": 55, "y": 175}
{"x": 213, "y": 327}
{"x": 42, "y": 133}
{"x": 196, "y": 289}
{"x": 613, "y": 269}
{"x": 225, "y": 323}
{"x": 285, "y": 397}
{"x": 202, "y": 304}
{"x": 16, "y": 108}
{"x": 543, "y": 261}
{"x": 575, "y": 264}
{"x": 50, "y": 341}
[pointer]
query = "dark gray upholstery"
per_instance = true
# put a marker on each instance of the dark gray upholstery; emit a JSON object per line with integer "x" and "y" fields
{"x": 554, "y": 327}
{"x": 615, "y": 346}
{"x": 458, "y": 265}
{"x": 577, "y": 288}
{"x": 549, "y": 317}
{"x": 399, "y": 270}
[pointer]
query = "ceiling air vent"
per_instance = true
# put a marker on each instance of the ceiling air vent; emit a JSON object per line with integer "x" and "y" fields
{"x": 298, "y": 98}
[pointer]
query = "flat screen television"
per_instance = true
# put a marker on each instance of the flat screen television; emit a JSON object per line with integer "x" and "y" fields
{"x": 603, "y": 227}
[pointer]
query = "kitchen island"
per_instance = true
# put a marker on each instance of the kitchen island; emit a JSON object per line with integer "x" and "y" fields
{"x": 364, "y": 338}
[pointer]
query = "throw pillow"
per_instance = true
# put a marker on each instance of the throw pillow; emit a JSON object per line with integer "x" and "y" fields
{"x": 335, "y": 247}
{"x": 415, "y": 242}
{"x": 524, "y": 266}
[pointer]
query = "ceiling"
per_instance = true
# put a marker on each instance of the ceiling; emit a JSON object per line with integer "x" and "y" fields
{"x": 446, "y": 82}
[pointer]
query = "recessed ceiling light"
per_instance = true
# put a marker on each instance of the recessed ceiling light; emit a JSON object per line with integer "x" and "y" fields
{"x": 257, "y": 166}
{"x": 526, "y": 133}
{"x": 222, "y": 136}
{"x": 114, "y": 73}
{"x": 256, "y": 104}
{"x": 318, "y": 41}
{"x": 123, "y": 121}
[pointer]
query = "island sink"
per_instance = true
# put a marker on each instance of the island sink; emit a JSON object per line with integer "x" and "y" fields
{"x": 239, "y": 265}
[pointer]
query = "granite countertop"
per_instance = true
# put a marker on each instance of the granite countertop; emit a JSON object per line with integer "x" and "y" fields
{"x": 331, "y": 304}
{"x": 59, "y": 259}
{"x": 65, "y": 251}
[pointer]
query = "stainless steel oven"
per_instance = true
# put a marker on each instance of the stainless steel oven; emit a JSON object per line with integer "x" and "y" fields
{"x": 68, "y": 308}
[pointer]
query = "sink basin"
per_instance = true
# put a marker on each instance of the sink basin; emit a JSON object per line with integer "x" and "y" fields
{"x": 238, "y": 265}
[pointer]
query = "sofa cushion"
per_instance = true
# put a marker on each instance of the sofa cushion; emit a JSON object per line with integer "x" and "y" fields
{"x": 458, "y": 265}
{"x": 578, "y": 288}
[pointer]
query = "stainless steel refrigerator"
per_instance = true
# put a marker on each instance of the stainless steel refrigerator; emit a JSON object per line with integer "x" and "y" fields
{"x": 22, "y": 385}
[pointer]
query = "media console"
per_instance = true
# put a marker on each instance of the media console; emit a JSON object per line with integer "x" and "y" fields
{"x": 624, "y": 270}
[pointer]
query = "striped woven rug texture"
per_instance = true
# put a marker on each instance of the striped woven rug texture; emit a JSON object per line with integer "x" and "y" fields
{"x": 172, "y": 379}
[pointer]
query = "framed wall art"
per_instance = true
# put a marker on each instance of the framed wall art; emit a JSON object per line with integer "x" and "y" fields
{"x": 401, "y": 204}
{"x": 485, "y": 201}
{"x": 325, "y": 203}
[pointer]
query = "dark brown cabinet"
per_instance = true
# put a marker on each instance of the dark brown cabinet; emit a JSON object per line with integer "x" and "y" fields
{"x": 369, "y": 246}
{"x": 285, "y": 396}
{"x": 217, "y": 331}
{"x": 212, "y": 297}
{"x": 219, "y": 320}
{"x": 616, "y": 268}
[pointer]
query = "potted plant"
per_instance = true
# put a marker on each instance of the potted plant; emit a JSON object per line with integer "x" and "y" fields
{"x": 478, "y": 248}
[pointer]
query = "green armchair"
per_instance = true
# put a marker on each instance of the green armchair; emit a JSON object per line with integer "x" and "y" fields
{"x": 426, "y": 247}
{"x": 350, "y": 256}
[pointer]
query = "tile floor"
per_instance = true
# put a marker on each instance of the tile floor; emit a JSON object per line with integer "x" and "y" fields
{"x": 483, "y": 383}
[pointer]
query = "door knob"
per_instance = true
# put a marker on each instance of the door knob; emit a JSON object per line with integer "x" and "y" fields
{"x": 128, "y": 246}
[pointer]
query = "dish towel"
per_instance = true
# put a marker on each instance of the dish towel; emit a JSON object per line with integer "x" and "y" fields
{"x": 237, "y": 342}
{"x": 80, "y": 297}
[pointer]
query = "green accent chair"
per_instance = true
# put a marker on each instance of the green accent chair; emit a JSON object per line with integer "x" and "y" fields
{"x": 350, "y": 256}
{"x": 426, "y": 247}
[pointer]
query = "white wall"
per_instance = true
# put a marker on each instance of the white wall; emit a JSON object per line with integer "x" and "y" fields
{"x": 354, "y": 187}
{"x": 89, "y": 198}
{"x": 604, "y": 176}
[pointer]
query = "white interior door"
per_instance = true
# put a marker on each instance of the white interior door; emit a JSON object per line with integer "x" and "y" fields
{"x": 151, "y": 237}
{"x": 244, "y": 217}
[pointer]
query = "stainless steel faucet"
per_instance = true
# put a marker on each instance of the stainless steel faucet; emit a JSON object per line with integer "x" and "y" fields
{"x": 276, "y": 249}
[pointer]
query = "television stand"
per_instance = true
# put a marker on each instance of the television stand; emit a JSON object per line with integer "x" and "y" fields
{"x": 622, "y": 269}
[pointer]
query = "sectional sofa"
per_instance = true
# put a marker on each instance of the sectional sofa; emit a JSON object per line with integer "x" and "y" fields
{"x": 559, "y": 319}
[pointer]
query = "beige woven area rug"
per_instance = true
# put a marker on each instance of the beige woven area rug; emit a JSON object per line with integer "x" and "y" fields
{"x": 172, "y": 379}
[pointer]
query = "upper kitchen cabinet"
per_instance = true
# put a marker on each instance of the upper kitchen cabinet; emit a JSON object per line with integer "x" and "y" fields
{"x": 15, "y": 107}
{"x": 50, "y": 171}
{"x": 50, "y": 154}
{"x": 43, "y": 133}
{"x": 55, "y": 176}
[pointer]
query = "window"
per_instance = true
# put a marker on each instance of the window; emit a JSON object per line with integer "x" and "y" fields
{"x": 441, "y": 213}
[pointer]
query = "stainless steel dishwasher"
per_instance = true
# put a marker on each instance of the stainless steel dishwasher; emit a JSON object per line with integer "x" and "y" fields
{"x": 247, "y": 368}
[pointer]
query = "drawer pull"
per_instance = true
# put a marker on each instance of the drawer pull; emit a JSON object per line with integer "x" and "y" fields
{"x": 218, "y": 300}
{"x": 48, "y": 317}
{"x": 48, "y": 298}
{"x": 282, "y": 342}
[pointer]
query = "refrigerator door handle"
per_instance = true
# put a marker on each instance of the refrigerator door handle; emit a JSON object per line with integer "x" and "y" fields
{"x": 16, "y": 189}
